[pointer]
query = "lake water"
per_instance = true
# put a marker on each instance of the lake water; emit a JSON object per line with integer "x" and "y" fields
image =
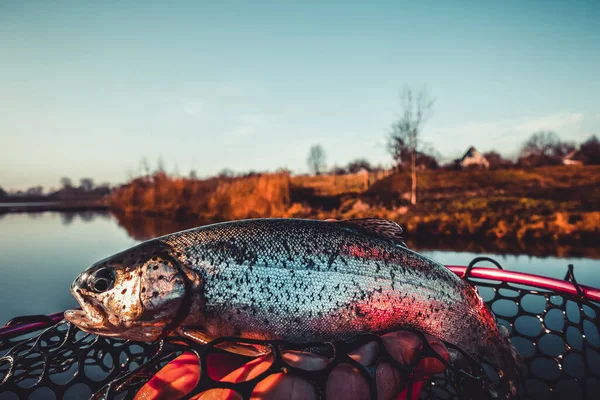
{"x": 41, "y": 254}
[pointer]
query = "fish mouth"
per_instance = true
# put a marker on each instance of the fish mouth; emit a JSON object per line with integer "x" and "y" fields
{"x": 91, "y": 318}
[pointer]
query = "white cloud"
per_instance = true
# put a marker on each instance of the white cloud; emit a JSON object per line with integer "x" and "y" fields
{"x": 554, "y": 122}
{"x": 251, "y": 124}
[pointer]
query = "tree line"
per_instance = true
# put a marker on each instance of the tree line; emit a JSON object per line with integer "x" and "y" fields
{"x": 86, "y": 187}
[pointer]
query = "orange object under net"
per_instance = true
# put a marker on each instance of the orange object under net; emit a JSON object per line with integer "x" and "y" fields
{"x": 553, "y": 324}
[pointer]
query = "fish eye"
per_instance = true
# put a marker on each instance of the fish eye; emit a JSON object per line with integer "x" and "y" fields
{"x": 101, "y": 281}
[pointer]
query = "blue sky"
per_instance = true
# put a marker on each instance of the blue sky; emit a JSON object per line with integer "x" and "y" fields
{"x": 90, "y": 88}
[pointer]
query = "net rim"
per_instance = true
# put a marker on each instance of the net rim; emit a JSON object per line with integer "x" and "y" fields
{"x": 568, "y": 287}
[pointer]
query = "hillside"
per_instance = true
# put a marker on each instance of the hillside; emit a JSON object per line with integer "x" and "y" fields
{"x": 553, "y": 203}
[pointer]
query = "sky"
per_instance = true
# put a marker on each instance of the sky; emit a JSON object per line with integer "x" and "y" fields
{"x": 89, "y": 89}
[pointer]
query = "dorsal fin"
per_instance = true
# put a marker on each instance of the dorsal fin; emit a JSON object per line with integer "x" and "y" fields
{"x": 381, "y": 228}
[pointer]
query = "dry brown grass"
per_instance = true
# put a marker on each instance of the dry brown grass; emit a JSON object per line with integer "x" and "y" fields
{"x": 213, "y": 199}
{"x": 551, "y": 203}
{"x": 265, "y": 195}
{"x": 332, "y": 185}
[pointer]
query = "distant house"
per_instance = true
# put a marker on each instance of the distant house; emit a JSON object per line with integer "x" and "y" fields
{"x": 473, "y": 159}
{"x": 573, "y": 158}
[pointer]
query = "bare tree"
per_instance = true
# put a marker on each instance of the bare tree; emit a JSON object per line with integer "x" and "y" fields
{"x": 337, "y": 170}
{"x": 35, "y": 191}
{"x": 356, "y": 165}
{"x": 547, "y": 144}
{"x": 66, "y": 182}
{"x": 145, "y": 168}
{"x": 316, "y": 159}
{"x": 590, "y": 149}
{"x": 86, "y": 184}
{"x": 496, "y": 160}
{"x": 405, "y": 140}
{"x": 160, "y": 166}
{"x": 226, "y": 173}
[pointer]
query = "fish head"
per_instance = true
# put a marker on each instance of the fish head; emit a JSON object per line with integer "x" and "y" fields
{"x": 132, "y": 295}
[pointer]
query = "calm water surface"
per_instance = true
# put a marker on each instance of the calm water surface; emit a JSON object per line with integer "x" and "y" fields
{"x": 41, "y": 254}
{"x": 28, "y": 204}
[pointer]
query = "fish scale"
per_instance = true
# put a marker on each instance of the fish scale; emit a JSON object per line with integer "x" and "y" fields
{"x": 314, "y": 280}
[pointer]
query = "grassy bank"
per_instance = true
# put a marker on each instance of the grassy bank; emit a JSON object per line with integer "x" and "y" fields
{"x": 211, "y": 200}
{"x": 552, "y": 204}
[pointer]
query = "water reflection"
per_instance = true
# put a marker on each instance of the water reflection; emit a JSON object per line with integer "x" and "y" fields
{"x": 86, "y": 216}
{"x": 143, "y": 227}
{"x": 41, "y": 254}
{"x": 530, "y": 248}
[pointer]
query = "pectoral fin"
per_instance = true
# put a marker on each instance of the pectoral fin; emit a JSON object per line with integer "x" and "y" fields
{"x": 249, "y": 350}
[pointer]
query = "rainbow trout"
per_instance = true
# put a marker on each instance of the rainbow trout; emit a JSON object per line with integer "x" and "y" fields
{"x": 292, "y": 279}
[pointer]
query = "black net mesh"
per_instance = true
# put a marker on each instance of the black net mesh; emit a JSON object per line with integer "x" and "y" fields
{"x": 556, "y": 334}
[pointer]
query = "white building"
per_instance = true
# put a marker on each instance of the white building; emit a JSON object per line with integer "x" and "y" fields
{"x": 473, "y": 158}
{"x": 573, "y": 158}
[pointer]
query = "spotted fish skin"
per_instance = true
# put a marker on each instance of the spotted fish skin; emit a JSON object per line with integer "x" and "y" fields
{"x": 307, "y": 281}
{"x": 304, "y": 280}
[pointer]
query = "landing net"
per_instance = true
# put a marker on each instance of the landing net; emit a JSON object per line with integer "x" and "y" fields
{"x": 553, "y": 324}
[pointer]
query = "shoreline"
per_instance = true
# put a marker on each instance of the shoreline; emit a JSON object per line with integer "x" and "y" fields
{"x": 56, "y": 206}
